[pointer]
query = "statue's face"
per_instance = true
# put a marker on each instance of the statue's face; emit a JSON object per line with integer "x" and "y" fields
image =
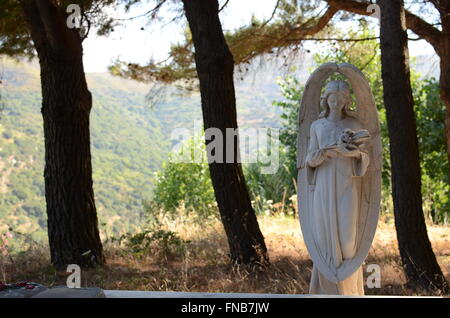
{"x": 336, "y": 101}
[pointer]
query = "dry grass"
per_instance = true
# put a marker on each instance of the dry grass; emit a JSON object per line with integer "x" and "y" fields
{"x": 205, "y": 267}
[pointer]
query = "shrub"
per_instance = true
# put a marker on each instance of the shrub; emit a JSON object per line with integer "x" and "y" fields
{"x": 271, "y": 193}
{"x": 162, "y": 244}
{"x": 188, "y": 184}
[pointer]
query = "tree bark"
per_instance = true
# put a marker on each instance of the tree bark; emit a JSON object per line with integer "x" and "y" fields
{"x": 66, "y": 104}
{"x": 443, "y": 51}
{"x": 419, "y": 261}
{"x": 444, "y": 87}
{"x": 215, "y": 66}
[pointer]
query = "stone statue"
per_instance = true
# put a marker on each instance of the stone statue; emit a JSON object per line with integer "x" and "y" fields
{"x": 339, "y": 181}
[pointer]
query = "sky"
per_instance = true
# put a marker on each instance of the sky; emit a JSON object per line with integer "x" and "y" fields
{"x": 130, "y": 43}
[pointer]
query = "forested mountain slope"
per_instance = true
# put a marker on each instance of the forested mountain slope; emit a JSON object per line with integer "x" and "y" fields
{"x": 129, "y": 140}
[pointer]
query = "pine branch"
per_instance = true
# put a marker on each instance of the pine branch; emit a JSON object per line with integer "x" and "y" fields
{"x": 423, "y": 29}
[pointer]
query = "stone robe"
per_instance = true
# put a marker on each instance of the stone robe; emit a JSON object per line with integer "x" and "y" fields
{"x": 336, "y": 185}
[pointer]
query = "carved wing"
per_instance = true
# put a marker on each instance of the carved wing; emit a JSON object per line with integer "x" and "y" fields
{"x": 310, "y": 108}
{"x": 366, "y": 113}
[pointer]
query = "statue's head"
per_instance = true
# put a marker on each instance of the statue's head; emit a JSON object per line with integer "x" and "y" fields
{"x": 336, "y": 97}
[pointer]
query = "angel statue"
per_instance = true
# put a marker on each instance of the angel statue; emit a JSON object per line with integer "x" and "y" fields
{"x": 339, "y": 179}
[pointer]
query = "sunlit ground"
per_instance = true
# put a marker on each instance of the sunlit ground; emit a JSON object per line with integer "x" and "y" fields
{"x": 204, "y": 266}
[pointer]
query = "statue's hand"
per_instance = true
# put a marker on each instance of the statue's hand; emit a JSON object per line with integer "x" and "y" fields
{"x": 331, "y": 153}
{"x": 349, "y": 153}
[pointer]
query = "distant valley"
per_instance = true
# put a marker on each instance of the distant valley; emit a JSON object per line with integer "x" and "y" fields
{"x": 129, "y": 138}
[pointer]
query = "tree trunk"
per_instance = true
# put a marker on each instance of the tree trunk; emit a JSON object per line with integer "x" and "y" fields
{"x": 419, "y": 261}
{"x": 66, "y": 104}
{"x": 215, "y": 66}
{"x": 444, "y": 81}
{"x": 444, "y": 84}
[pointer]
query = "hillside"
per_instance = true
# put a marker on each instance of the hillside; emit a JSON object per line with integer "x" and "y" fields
{"x": 129, "y": 140}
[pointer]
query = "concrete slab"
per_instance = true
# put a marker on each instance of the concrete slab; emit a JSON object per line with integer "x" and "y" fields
{"x": 65, "y": 292}
{"x": 152, "y": 294}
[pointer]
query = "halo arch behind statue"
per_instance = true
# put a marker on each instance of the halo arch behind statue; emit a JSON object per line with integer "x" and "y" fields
{"x": 366, "y": 113}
